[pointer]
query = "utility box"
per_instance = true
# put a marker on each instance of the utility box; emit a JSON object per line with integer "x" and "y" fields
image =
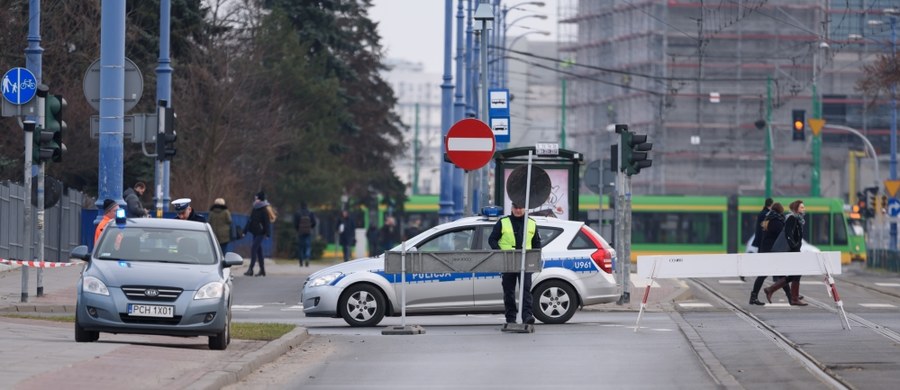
{"x": 564, "y": 170}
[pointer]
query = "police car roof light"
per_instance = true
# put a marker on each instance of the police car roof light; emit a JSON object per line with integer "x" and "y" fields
{"x": 492, "y": 211}
{"x": 120, "y": 217}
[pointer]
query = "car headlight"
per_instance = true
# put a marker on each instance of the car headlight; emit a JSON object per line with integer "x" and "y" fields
{"x": 325, "y": 279}
{"x": 210, "y": 290}
{"x": 93, "y": 285}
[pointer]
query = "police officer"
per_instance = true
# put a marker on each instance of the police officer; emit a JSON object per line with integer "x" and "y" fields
{"x": 183, "y": 210}
{"x": 507, "y": 235}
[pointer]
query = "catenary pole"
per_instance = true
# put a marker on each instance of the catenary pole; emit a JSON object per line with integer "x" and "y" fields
{"x": 445, "y": 212}
{"x": 163, "y": 92}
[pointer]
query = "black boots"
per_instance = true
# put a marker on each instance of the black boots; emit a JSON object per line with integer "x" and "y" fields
{"x": 756, "y": 301}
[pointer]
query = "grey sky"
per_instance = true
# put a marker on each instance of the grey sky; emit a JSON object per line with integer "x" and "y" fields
{"x": 413, "y": 30}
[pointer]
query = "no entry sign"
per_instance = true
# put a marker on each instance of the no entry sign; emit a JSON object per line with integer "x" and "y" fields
{"x": 470, "y": 144}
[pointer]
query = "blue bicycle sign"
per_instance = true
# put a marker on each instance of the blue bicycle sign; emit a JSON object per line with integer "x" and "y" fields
{"x": 19, "y": 86}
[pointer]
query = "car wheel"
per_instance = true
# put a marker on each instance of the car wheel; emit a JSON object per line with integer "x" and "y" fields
{"x": 362, "y": 305}
{"x": 555, "y": 302}
{"x": 220, "y": 341}
{"x": 84, "y": 336}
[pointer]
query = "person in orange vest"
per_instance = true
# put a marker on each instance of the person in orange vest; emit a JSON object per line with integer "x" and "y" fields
{"x": 109, "y": 214}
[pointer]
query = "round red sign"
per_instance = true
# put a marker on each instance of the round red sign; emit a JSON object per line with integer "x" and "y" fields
{"x": 470, "y": 144}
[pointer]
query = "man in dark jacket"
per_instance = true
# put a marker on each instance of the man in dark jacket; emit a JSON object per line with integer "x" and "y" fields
{"x": 133, "y": 206}
{"x": 304, "y": 224}
{"x": 260, "y": 226}
{"x": 183, "y": 210}
{"x": 346, "y": 233}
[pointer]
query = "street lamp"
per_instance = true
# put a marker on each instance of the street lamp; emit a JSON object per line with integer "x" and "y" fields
{"x": 527, "y": 33}
{"x": 484, "y": 14}
{"x": 507, "y": 26}
{"x": 892, "y": 19}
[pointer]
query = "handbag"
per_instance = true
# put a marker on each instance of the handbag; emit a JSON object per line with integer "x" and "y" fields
{"x": 236, "y": 233}
{"x": 781, "y": 244}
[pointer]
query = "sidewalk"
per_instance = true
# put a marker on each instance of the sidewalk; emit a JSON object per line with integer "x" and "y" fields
{"x": 44, "y": 354}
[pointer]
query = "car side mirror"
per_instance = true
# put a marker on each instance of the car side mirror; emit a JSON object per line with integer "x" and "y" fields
{"x": 81, "y": 253}
{"x": 232, "y": 259}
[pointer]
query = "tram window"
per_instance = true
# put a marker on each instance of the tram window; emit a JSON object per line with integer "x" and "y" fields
{"x": 676, "y": 228}
{"x": 819, "y": 229}
{"x": 840, "y": 230}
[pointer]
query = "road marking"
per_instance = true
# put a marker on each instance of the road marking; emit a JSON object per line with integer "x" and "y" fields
{"x": 888, "y": 284}
{"x": 811, "y": 282}
{"x": 293, "y": 308}
{"x": 778, "y": 305}
{"x": 694, "y": 304}
{"x": 877, "y": 305}
{"x": 245, "y": 307}
{"x": 731, "y": 281}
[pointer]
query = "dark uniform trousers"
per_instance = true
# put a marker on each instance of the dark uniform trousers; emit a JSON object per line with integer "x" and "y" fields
{"x": 509, "y": 298}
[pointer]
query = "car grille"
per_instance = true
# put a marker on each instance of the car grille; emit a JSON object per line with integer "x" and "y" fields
{"x": 152, "y": 293}
{"x": 149, "y": 320}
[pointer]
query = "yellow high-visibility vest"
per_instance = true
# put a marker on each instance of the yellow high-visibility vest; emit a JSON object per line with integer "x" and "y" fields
{"x": 507, "y": 236}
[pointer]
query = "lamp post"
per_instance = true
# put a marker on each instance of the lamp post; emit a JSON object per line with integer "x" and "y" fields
{"x": 507, "y": 26}
{"x": 484, "y": 14}
{"x": 892, "y": 19}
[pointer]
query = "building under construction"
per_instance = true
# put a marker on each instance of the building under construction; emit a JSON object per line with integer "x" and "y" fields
{"x": 701, "y": 77}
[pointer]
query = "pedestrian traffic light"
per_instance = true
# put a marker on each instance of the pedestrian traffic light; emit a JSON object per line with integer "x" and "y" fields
{"x": 165, "y": 140}
{"x": 799, "y": 125}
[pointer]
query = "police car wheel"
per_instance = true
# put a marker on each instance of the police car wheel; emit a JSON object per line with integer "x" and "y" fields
{"x": 362, "y": 305}
{"x": 554, "y": 302}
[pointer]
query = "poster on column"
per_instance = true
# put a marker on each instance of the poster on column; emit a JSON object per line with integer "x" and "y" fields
{"x": 557, "y": 204}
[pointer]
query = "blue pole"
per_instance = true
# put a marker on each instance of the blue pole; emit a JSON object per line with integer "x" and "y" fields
{"x": 445, "y": 212}
{"x": 459, "y": 105}
{"x": 163, "y": 92}
{"x": 458, "y": 174}
{"x": 34, "y": 51}
{"x": 112, "y": 101}
{"x": 893, "y": 240}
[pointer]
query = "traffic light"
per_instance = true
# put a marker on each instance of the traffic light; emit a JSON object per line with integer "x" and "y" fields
{"x": 634, "y": 152}
{"x": 870, "y": 195}
{"x": 798, "y": 125}
{"x": 48, "y": 145}
{"x": 165, "y": 140}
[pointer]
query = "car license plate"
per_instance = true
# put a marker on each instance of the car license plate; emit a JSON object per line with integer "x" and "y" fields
{"x": 151, "y": 311}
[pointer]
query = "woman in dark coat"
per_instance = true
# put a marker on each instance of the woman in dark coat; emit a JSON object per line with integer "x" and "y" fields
{"x": 793, "y": 234}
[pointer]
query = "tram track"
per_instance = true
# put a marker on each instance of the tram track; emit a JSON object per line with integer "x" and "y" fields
{"x": 813, "y": 365}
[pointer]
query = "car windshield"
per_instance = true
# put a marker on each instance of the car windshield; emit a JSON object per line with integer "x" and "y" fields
{"x": 157, "y": 245}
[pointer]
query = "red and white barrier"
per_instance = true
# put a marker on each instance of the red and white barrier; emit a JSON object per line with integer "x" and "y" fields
{"x": 39, "y": 264}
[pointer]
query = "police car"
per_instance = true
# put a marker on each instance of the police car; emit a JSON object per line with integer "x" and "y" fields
{"x": 577, "y": 271}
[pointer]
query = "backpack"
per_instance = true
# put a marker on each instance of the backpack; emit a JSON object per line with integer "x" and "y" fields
{"x": 304, "y": 225}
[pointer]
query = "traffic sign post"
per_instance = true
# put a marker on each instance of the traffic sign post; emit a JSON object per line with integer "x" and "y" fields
{"x": 893, "y": 207}
{"x": 19, "y": 85}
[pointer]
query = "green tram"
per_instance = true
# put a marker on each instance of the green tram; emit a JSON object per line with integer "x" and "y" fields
{"x": 667, "y": 224}
{"x": 664, "y": 224}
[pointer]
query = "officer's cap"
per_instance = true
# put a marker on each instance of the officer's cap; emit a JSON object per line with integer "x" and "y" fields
{"x": 181, "y": 204}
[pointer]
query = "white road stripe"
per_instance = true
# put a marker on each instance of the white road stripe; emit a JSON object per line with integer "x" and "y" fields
{"x": 245, "y": 307}
{"x": 777, "y": 305}
{"x": 470, "y": 144}
{"x": 293, "y": 308}
{"x": 695, "y": 304}
{"x": 888, "y": 284}
{"x": 731, "y": 281}
{"x": 878, "y": 305}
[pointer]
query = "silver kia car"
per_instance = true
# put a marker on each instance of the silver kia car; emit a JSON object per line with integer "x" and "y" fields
{"x": 155, "y": 276}
{"x": 577, "y": 271}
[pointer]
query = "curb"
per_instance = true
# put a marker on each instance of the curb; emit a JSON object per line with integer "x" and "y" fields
{"x": 238, "y": 369}
{"x": 37, "y": 308}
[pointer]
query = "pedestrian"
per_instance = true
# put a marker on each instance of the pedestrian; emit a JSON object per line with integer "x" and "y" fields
{"x": 220, "y": 221}
{"x": 793, "y": 235}
{"x": 346, "y": 233}
{"x": 507, "y": 235}
{"x": 767, "y": 232}
{"x": 414, "y": 228}
{"x": 133, "y": 206}
{"x": 372, "y": 239}
{"x": 183, "y": 210}
{"x": 304, "y": 223}
{"x": 260, "y": 225}
{"x": 389, "y": 235}
{"x": 109, "y": 214}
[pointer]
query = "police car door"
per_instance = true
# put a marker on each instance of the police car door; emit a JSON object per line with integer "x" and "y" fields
{"x": 441, "y": 291}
